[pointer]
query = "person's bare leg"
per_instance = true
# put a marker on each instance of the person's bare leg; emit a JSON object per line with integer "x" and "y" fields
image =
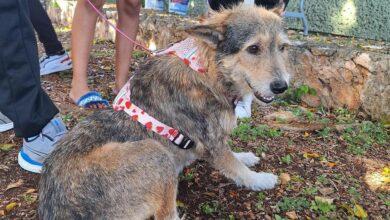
{"x": 128, "y": 20}
{"x": 83, "y": 30}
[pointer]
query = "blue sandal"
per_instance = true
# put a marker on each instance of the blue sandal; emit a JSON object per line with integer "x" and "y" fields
{"x": 91, "y": 99}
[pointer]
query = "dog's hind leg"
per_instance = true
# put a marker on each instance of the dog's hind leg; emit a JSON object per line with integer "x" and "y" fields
{"x": 233, "y": 168}
{"x": 167, "y": 208}
{"x": 248, "y": 158}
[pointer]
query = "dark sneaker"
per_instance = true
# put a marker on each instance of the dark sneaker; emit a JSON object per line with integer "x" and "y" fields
{"x": 36, "y": 149}
{"x": 5, "y": 123}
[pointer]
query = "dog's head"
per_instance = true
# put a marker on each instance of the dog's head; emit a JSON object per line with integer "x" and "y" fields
{"x": 250, "y": 49}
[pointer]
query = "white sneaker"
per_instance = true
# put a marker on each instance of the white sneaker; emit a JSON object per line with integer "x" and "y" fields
{"x": 244, "y": 107}
{"x": 55, "y": 63}
{"x": 5, "y": 123}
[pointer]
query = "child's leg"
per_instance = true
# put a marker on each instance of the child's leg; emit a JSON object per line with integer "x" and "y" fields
{"x": 127, "y": 22}
{"x": 83, "y": 30}
{"x": 243, "y": 108}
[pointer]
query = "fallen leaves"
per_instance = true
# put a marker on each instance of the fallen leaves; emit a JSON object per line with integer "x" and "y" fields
{"x": 324, "y": 199}
{"x": 359, "y": 211}
{"x": 311, "y": 155}
{"x": 284, "y": 178}
{"x": 10, "y": 206}
{"x": 14, "y": 185}
{"x": 326, "y": 191}
{"x": 6, "y": 147}
{"x": 292, "y": 215}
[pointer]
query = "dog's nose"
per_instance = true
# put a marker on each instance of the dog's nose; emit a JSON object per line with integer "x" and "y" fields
{"x": 278, "y": 86}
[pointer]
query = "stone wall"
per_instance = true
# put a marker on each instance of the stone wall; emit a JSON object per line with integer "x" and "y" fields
{"x": 343, "y": 76}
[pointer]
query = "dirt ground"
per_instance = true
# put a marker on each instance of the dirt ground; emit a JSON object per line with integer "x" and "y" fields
{"x": 333, "y": 164}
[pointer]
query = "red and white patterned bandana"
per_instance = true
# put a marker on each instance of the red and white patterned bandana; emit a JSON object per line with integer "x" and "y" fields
{"x": 187, "y": 51}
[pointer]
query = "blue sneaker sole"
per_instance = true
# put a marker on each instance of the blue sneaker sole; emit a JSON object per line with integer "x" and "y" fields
{"x": 28, "y": 164}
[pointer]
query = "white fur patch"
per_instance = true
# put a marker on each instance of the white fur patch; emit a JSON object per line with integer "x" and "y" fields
{"x": 260, "y": 181}
{"x": 247, "y": 158}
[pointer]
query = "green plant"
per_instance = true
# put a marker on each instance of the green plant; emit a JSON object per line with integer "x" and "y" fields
{"x": 289, "y": 204}
{"x": 138, "y": 54}
{"x": 287, "y": 159}
{"x": 311, "y": 191}
{"x": 261, "y": 149}
{"x": 343, "y": 115}
{"x": 324, "y": 133}
{"x": 323, "y": 179}
{"x": 188, "y": 174}
{"x": 209, "y": 208}
{"x": 361, "y": 138}
{"x": 260, "y": 201}
{"x": 28, "y": 198}
{"x": 354, "y": 193}
{"x": 294, "y": 96}
{"x": 322, "y": 206}
{"x": 246, "y": 132}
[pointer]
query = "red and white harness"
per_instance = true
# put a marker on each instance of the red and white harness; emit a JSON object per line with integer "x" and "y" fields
{"x": 187, "y": 51}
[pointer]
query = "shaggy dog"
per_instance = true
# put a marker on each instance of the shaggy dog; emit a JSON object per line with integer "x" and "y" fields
{"x": 110, "y": 167}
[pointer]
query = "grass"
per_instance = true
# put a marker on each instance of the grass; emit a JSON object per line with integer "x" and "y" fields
{"x": 322, "y": 207}
{"x": 290, "y": 204}
{"x": 361, "y": 138}
{"x": 209, "y": 208}
{"x": 287, "y": 159}
{"x": 246, "y": 132}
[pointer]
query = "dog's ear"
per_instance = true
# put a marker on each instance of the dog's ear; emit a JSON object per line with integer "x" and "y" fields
{"x": 279, "y": 9}
{"x": 207, "y": 33}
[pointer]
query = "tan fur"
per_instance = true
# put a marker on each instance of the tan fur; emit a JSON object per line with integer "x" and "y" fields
{"x": 110, "y": 167}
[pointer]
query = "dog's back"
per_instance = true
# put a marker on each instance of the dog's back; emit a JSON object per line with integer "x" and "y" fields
{"x": 131, "y": 180}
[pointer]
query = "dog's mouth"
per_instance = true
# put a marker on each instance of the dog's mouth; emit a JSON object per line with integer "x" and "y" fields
{"x": 259, "y": 96}
{"x": 265, "y": 99}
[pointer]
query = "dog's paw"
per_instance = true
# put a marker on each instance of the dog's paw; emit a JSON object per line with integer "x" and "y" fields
{"x": 248, "y": 158}
{"x": 261, "y": 181}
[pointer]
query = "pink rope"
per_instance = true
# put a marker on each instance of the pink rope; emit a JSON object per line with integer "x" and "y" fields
{"x": 117, "y": 29}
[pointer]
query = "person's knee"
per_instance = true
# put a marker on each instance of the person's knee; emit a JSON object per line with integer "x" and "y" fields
{"x": 133, "y": 7}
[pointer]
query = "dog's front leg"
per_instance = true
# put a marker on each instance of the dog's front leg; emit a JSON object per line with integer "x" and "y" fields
{"x": 225, "y": 161}
{"x": 248, "y": 158}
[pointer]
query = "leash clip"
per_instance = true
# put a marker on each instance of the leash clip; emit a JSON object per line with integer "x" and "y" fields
{"x": 183, "y": 142}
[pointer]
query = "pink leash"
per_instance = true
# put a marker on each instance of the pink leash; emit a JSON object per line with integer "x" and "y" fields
{"x": 117, "y": 29}
{"x": 122, "y": 103}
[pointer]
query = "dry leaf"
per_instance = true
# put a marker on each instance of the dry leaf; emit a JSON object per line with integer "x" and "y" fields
{"x": 10, "y": 206}
{"x": 30, "y": 191}
{"x": 331, "y": 164}
{"x": 323, "y": 200}
{"x": 211, "y": 194}
{"x": 180, "y": 204}
{"x": 284, "y": 178}
{"x": 6, "y": 147}
{"x": 359, "y": 211}
{"x": 292, "y": 215}
{"x": 2, "y": 213}
{"x": 14, "y": 185}
{"x": 311, "y": 155}
{"x": 306, "y": 134}
{"x": 326, "y": 191}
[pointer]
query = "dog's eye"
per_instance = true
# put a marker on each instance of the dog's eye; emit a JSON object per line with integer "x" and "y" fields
{"x": 282, "y": 47}
{"x": 254, "y": 49}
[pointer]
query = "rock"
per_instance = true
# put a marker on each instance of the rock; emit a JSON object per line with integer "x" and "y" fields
{"x": 342, "y": 76}
{"x": 364, "y": 60}
{"x": 285, "y": 116}
{"x": 284, "y": 178}
{"x": 292, "y": 215}
{"x": 323, "y": 51}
